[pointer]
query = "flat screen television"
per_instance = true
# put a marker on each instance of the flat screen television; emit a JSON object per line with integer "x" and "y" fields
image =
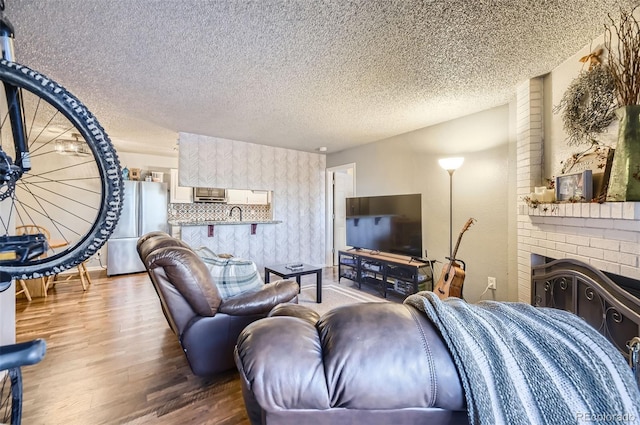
{"x": 386, "y": 223}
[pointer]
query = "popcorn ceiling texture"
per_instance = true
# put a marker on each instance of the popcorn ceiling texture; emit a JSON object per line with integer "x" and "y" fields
{"x": 296, "y": 74}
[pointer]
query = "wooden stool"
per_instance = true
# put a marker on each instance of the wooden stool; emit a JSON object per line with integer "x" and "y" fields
{"x": 24, "y": 290}
{"x": 82, "y": 274}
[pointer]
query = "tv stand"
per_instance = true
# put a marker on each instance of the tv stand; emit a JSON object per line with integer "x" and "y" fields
{"x": 389, "y": 273}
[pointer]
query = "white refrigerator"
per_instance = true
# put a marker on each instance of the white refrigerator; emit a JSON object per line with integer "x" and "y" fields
{"x": 144, "y": 210}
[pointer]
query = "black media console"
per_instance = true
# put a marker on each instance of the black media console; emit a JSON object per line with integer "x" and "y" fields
{"x": 389, "y": 273}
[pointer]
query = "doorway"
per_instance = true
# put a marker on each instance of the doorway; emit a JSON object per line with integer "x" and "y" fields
{"x": 341, "y": 184}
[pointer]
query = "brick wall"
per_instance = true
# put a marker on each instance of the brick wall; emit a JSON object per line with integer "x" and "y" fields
{"x": 607, "y": 236}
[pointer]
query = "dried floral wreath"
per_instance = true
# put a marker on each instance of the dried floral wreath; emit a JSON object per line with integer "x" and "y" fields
{"x": 588, "y": 105}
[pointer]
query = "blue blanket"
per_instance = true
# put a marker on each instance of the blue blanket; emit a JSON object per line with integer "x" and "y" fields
{"x": 525, "y": 365}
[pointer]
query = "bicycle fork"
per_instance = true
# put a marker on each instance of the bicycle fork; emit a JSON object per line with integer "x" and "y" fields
{"x": 14, "y": 100}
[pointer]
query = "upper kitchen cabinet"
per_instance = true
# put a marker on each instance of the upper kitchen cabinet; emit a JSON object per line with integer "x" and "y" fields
{"x": 179, "y": 194}
{"x": 258, "y": 197}
{"x": 236, "y": 196}
{"x": 243, "y": 197}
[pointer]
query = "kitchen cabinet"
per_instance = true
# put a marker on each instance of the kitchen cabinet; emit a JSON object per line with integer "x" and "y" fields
{"x": 258, "y": 197}
{"x": 179, "y": 194}
{"x": 236, "y": 196}
{"x": 244, "y": 197}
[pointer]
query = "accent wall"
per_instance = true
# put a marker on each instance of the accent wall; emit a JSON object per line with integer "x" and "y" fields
{"x": 297, "y": 180}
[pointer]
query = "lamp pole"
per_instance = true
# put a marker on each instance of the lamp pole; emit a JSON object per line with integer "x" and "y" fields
{"x": 451, "y": 165}
{"x": 450, "y": 213}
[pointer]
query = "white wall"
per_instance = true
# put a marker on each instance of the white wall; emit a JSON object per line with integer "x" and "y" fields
{"x": 408, "y": 163}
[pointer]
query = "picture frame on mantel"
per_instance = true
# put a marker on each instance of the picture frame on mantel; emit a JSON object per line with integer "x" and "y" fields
{"x": 576, "y": 187}
{"x": 598, "y": 160}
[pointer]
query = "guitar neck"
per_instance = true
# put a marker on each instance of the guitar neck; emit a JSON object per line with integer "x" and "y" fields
{"x": 455, "y": 251}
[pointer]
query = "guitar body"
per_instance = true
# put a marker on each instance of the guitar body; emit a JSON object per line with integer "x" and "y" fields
{"x": 450, "y": 282}
{"x": 452, "y": 277}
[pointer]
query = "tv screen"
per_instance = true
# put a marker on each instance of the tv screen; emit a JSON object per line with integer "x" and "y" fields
{"x": 386, "y": 223}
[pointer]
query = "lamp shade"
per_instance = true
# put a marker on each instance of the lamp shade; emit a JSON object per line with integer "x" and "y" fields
{"x": 450, "y": 164}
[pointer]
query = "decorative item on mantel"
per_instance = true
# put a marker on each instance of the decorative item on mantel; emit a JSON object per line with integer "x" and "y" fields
{"x": 597, "y": 159}
{"x": 542, "y": 194}
{"x": 624, "y": 66}
{"x": 588, "y": 105}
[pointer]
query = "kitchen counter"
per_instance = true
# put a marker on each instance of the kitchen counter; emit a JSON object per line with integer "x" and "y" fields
{"x": 218, "y": 222}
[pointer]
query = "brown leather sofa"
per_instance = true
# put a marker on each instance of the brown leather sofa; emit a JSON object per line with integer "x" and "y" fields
{"x": 404, "y": 373}
{"x": 206, "y": 326}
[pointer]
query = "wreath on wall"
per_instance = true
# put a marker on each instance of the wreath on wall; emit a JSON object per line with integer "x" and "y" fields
{"x": 588, "y": 105}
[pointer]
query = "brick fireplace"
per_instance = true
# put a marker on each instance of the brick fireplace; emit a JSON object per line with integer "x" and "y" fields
{"x": 606, "y": 236}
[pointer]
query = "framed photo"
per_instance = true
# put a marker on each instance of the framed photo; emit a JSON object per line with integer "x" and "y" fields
{"x": 577, "y": 187}
{"x": 598, "y": 160}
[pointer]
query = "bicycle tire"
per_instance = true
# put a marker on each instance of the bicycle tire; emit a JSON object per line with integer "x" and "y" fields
{"x": 11, "y": 396}
{"x": 107, "y": 179}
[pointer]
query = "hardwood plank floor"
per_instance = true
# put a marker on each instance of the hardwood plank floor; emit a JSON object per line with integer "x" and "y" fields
{"x": 112, "y": 359}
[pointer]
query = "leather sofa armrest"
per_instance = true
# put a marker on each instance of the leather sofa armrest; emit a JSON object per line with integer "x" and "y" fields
{"x": 280, "y": 361}
{"x": 262, "y": 301}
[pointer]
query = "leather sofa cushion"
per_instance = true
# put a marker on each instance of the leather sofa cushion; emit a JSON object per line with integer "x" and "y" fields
{"x": 401, "y": 361}
{"x": 189, "y": 275}
{"x": 358, "y": 357}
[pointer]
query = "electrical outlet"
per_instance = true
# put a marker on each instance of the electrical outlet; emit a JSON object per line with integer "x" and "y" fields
{"x": 491, "y": 282}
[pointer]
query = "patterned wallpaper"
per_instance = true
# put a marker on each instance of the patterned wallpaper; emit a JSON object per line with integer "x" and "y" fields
{"x": 297, "y": 180}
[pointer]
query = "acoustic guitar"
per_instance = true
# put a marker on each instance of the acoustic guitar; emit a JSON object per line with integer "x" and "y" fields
{"x": 452, "y": 277}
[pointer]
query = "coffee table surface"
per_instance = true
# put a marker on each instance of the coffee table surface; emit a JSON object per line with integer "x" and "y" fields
{"x": 286, "y": 273}
{"x": 281, "y": 269}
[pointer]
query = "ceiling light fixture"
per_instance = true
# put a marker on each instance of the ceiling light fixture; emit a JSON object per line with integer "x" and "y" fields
{"x": 74, "y": 147}
{"x": 322, "y": 149}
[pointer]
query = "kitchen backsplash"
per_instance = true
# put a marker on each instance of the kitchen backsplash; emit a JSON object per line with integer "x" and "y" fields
{"x": 215, "y": 212}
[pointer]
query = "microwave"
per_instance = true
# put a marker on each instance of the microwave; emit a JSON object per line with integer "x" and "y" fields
{"x": 209, "y": 194}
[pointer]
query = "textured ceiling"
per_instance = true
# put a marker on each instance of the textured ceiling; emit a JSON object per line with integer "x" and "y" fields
{"x": 295, "y": 73}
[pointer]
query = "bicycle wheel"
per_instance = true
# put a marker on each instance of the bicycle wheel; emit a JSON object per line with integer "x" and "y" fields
{"x": 10, "y": 396}
{"x": 73, "y": 188}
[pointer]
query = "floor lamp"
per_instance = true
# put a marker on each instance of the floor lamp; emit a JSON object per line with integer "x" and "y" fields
{"x": 451, "y": 165}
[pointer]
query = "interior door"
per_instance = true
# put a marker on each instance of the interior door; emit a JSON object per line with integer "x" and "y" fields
{"x": 343, "y": 187}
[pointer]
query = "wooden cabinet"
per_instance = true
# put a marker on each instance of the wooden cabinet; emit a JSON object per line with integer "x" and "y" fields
{"x": 179, "y": 194}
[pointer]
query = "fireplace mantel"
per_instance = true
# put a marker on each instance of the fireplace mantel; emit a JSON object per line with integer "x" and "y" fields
{"x": 606, "y": 210}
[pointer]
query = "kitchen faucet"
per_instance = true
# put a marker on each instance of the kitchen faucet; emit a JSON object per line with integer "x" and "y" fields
{"x": 233, "y": 208}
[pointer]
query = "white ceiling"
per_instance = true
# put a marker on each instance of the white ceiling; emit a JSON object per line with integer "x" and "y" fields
{"x": 295, "y": 73}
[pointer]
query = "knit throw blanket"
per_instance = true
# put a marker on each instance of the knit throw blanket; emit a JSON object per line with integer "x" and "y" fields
{"x": 520, "y": 364}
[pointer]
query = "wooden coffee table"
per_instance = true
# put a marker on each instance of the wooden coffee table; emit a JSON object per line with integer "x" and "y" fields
{"x": 285, "y": 271}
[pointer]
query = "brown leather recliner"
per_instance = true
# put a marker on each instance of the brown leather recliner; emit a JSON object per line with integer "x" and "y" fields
{"x": 207, "y": 326}
{"x": 370, "y": 363}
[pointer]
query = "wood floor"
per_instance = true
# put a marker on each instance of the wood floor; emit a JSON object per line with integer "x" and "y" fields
{"x": 112, "y": 359}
